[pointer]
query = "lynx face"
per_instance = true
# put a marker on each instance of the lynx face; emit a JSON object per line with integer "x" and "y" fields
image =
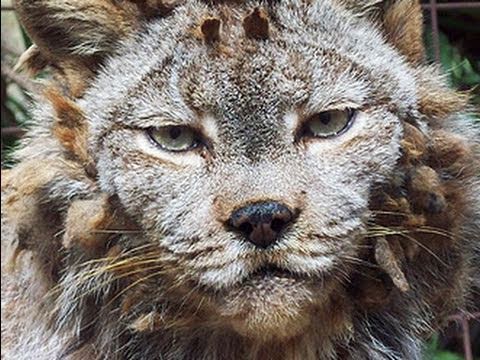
{"x": 250, "y": 164}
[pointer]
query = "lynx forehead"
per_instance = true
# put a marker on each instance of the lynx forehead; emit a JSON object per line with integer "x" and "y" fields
{"x": 252, "y": 180}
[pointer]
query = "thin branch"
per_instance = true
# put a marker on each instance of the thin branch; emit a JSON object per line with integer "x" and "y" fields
{"x": 9, "y": 50}
{"x": 12, "y": 131}
{"x": 468, "y": 316}
{"x": 453, "y": 5}
{"x": 467, "y": 345}
{"x": 463, "y": 319}
{"x": 19, "y": 79}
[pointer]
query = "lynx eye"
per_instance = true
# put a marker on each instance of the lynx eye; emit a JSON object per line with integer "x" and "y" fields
{"x": 328, "y": 123}
{"x": 174, "y": 138}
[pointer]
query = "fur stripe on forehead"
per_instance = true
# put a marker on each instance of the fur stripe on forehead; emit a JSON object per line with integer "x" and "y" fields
{"x": 256, "y": 25}
{"x": 210, "y": 29}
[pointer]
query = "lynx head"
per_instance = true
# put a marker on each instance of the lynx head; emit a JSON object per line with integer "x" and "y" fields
{"x": 256, "y": 146}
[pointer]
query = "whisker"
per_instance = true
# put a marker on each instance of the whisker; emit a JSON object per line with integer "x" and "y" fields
{"x": 385, "y": 231}
{"x": 123, "y": 261}
{"x": 424, "y": 248}
{"x": 112, "y": 280}
{"x": 357, "y": 261}
{"x": 130, "y": 251}
{"x": 83, "y": 277}
{"x": 435, "y": 231}
{"x": 115, "y": 231}
{"x": 132, "y": 285}
{"x": 382, "y": 212}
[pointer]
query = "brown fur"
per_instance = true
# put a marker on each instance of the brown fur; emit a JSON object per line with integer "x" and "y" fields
{"x": 403, "y": 23}
{"x": 210, "y": 29}
{"x": 256, "y": 25}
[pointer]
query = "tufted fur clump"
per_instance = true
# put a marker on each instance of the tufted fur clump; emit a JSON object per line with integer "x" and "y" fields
{"x": 115, "y": 246}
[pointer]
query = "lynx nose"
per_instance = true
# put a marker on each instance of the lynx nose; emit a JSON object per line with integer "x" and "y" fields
{"x": 262, "y": 222}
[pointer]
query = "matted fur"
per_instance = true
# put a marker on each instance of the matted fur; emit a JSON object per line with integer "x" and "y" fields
{"x": 119, "y": 250}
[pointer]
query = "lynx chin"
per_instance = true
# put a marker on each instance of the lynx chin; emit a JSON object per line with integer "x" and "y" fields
{"x": 221, "y": 179}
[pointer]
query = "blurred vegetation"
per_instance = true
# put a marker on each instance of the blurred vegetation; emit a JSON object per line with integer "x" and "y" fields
{"x": 459, "y": 57}
{"x": 459, "y": 48}
{"x": 434, "y": 351}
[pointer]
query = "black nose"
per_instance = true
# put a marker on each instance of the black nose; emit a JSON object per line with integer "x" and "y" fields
{"x": 262, "y": 222}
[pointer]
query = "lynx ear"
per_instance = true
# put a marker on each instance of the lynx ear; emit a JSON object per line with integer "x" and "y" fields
{"x": 401, "y": 22}
{"x": 403, "y": 25}
{"x": 76, "y": 35}
{"x": 66, "y": 29}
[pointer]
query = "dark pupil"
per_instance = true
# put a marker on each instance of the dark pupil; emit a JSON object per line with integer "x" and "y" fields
{"x": 325, "y": 118}
{"x": 175, "y": 132}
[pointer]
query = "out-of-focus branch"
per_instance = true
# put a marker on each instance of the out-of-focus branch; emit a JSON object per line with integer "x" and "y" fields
{"x": 463, "y": 319}
{"x": 467, "y": 316}
{"x": 19, "y": 79}
{"x": 9, "y": 50}
{"x": 12, "y": 131}
{"x": 454, "y": 5}
{"x": 467, "y": 346}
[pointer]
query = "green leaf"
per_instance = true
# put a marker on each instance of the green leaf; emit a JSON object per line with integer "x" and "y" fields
{"x": 444, "y": 355}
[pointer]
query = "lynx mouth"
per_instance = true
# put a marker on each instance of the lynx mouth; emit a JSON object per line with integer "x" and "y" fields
{"x": 272, "y": 271}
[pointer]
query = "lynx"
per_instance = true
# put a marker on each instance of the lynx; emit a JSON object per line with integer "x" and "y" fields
{"x": 284, "y": 179}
